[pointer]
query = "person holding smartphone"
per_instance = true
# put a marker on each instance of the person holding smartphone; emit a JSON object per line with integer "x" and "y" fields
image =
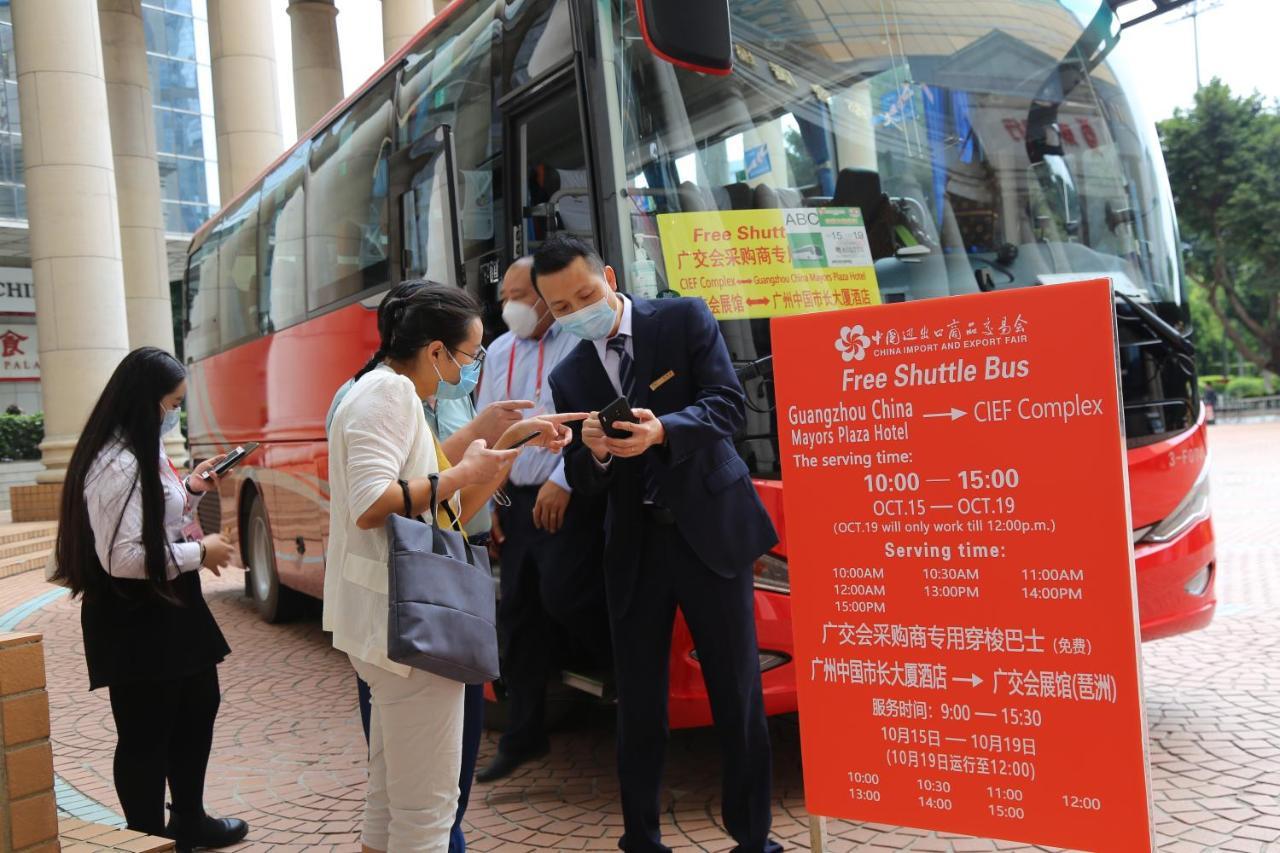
{"x": 456, "y": 425}
{"x": 685, "y": 525}
{"x": 429, "y": 347}
{"x": 128, "y": 546}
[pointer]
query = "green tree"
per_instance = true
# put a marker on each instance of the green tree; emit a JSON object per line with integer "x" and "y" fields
{"x": 1224, "y": 167}
{"x": 803, "y": 173}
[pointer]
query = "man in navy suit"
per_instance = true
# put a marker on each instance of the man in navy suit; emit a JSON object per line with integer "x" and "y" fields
{"x": 684, "y": 525}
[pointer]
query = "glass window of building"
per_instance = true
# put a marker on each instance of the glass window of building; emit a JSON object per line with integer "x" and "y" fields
{"x": 177, "y": 34}
{"x": 13, "y": 193}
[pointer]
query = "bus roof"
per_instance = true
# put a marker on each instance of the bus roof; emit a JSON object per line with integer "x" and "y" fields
{"x": 441, "y": 17}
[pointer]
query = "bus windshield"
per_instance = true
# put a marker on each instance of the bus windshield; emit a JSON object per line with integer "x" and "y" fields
{"x": 989, "y": 145}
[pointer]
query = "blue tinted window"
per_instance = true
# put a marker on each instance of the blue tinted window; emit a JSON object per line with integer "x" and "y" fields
{"x": 183, "y": 6}
{"x": 153, "y": 24}
{"x": 179, "y": 133}
{"x": 180, "y": 36}
{"x": 173, "y": 83}
{"x": 184, "y": 218}
{"x": 191, "y": 182}
{"x": 168, "y": 178}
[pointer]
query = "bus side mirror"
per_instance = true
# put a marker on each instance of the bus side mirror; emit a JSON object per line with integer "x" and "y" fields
{"x": 692, "y": 34}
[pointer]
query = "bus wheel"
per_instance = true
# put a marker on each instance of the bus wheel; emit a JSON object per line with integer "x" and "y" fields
{"x": 274, "y": 602}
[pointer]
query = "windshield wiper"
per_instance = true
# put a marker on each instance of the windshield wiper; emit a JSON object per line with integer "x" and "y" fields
{"x": 1157, "y": 324}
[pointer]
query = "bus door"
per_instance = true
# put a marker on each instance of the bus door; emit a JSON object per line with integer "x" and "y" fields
{"x": 549, "y": 181}
{"x": 424, "y": 191}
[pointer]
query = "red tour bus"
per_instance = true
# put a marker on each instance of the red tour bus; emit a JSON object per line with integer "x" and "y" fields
{"x": 989, "y": 146}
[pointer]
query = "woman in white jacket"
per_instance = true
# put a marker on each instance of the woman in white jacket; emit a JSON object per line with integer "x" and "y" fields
{"x": 430, "y": 347}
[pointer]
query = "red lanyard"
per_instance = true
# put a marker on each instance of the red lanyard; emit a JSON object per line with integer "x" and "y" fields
{"x": 511, "y": 367}
{"x": 186, "y": 496}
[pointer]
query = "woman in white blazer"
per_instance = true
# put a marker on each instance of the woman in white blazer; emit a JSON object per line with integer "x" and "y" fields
{"x": 430, "y": 347}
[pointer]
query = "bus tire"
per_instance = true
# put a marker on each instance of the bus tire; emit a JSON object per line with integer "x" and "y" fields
{"x": 273, "y": 601}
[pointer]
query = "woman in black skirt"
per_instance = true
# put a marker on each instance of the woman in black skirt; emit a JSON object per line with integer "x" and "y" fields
{"x": 127, "y": 544}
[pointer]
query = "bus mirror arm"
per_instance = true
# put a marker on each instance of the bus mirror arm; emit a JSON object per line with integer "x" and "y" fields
{"x": 1165, "y": 332}
{"x": 761, "y": 368}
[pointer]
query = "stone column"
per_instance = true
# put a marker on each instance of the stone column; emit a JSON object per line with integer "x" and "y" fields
{"x": 71, "y": 201}
{"x": 317, "y": 62}
{"x": 133, "y": 144}
{"x": 402, "y": 19}
{"x": 246, "y": 108}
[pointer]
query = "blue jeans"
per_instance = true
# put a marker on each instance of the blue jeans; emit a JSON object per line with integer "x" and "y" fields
{"x": 472, "y": 724}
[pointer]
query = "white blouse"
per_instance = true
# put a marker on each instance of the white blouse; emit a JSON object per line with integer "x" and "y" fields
{"x": 114, "y": 495}
{"x": 379, "y": 435}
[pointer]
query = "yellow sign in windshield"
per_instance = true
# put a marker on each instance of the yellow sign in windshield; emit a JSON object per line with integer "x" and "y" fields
{"x": 770, "y": 263}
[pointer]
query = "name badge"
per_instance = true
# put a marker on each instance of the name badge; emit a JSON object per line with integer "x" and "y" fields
{"x": 662, "y": 380}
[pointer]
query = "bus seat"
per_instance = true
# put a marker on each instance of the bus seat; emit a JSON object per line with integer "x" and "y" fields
{"x": 769, "y": 198}
{"x": 741, "y": 196}
{"x": 694, "y": 198}
{"x": 860, "y": 188}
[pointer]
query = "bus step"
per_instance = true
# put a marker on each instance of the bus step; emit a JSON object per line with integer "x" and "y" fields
{"x": 597, "y": 684}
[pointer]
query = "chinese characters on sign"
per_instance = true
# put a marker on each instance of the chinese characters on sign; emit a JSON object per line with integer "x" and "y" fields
{"x": 770, "y": 263}
{"x": 19, "y": 358}
{"x": 963, "y": 595}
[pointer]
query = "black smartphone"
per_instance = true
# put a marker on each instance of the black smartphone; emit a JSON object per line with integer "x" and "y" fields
{"x": 232, "y": 459}
{"x": 618, "y": 410}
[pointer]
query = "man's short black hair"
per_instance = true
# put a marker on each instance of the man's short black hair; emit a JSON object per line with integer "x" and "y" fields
{"x": 560, "y": 251}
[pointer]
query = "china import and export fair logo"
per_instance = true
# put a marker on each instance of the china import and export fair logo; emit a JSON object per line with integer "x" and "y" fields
{"x": 853, "y": 343}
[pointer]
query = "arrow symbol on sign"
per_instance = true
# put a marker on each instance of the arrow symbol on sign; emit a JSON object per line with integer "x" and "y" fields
{"x": 974, "y": 679}
{"x": 953, "y": 414}
{"x": 762, "y": 301}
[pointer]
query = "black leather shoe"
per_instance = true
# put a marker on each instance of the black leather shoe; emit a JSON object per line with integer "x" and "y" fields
{"x": 211, "y": 832}
{"x": 504, "y": 764}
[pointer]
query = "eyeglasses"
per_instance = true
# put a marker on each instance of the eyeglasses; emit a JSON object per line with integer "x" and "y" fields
{"x": 477, "y": 357}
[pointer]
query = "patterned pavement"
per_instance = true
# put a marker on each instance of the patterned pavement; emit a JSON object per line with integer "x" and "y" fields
{"x": 289, "y": 756}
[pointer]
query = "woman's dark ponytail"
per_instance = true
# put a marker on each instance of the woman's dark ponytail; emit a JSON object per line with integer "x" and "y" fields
{"x": 417, "y": 312}
{"x": 373, "y": 362}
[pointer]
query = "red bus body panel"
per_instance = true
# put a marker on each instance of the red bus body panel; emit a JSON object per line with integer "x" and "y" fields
{"x": 277, "y": 390}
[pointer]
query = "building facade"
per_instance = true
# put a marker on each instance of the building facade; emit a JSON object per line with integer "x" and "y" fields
{"x": 178, "y": 62}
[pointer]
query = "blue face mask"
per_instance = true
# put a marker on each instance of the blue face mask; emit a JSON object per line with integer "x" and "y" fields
{"x": 591, "y": 323}
{"x": 468, "y": 377}
{"x": 170, "y": 421}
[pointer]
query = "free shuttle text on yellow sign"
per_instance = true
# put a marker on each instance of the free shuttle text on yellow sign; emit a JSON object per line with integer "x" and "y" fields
{"x": 770, "y": 263}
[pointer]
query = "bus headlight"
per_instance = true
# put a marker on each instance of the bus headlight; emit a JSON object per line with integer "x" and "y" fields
{"x": 1192, "y": 510}
{"x": 771, "y": 574}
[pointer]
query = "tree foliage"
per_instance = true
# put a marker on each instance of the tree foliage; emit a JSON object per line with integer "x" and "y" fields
{"x": 1224, "y": 168}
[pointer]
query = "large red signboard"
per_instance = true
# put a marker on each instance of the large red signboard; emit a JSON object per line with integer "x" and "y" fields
{"x": 961, "y": 564}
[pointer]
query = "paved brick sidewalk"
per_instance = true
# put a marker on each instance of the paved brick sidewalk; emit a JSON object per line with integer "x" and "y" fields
{"x": 289, "y": 755}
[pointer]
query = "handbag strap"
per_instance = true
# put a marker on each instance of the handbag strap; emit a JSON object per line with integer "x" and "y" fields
{"x": 434, "y": 480}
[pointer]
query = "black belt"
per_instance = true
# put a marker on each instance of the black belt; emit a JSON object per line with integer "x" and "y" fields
{"x": 660, "y": 515}
{"x": 523, "y": 490}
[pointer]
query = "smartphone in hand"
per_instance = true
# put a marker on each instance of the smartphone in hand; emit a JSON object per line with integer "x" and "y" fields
{"x": 618, "y": 410}
{"x": 233, "y": 459}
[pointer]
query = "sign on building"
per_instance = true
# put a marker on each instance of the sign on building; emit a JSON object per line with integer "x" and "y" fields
{"x": 963, "y": 591}
{"x": 17, "y": 294}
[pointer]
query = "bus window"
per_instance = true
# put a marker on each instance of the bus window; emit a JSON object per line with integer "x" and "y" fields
{"x": 538, "y": 39}
{"x": 238, "y": 273}
{"x": 554, "y": 186}
{"x": 282, "y": 299}
{"x": 201, "y": 300}
{"x": 347, "y": 205}
{"x": 973, "y": 166}
{"x": 448, "y": 80}
{"x": 426, "y": 206}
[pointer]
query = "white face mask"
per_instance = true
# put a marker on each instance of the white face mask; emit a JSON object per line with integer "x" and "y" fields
{"x": 521, "y": 318}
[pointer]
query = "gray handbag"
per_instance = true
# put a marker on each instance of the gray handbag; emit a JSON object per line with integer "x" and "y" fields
{"x": 441, "y": 597}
